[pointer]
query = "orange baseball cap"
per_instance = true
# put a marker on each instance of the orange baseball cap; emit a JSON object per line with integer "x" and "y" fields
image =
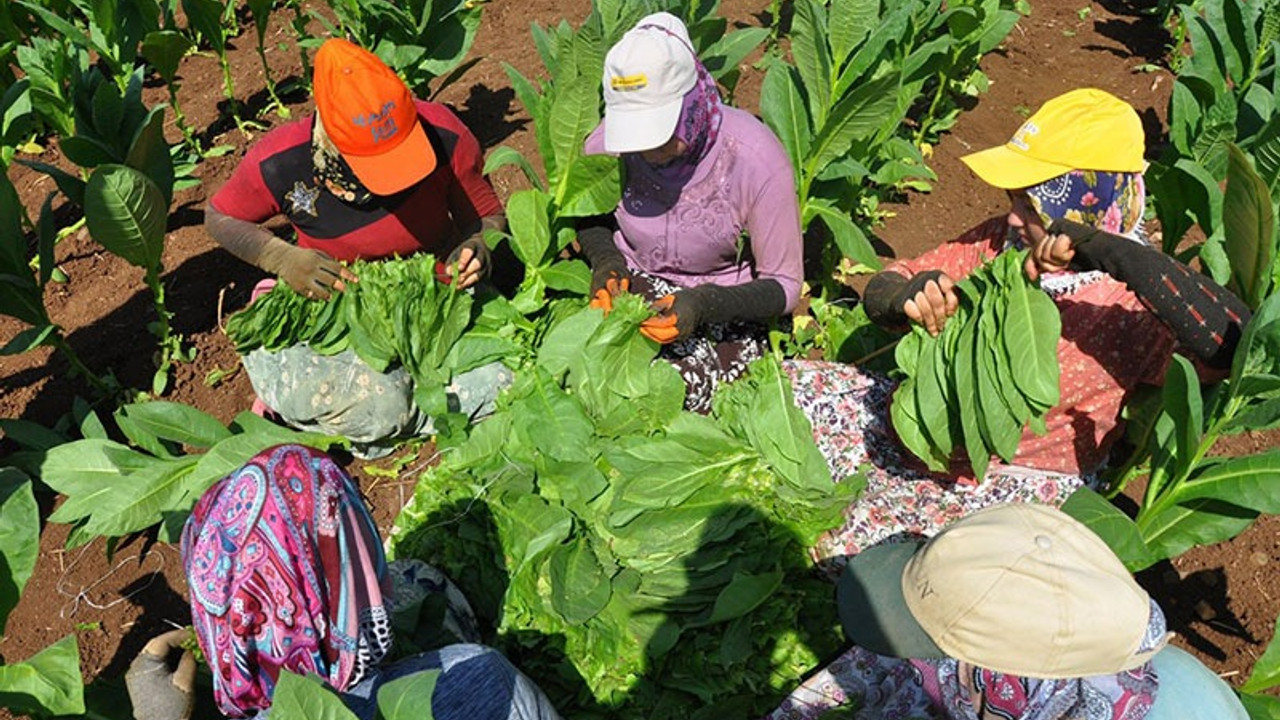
{"x": 369, "y": 114}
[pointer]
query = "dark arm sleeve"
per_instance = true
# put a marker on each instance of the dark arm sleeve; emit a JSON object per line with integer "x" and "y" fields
{"x": 889, "y": 291}
{"x": 595, "y": 236}
{"x": 756, "y": 300}
{"x": 1206, "y": 318}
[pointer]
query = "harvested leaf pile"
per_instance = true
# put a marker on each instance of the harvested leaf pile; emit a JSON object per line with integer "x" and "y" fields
{"x": 397, "y": 314}
{"x": 638, "y": 560}
{"x": 992, "y": 370}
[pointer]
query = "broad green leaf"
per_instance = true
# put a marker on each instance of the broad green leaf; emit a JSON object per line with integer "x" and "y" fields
{"x": 28, "y": 339}
{"x": 532, "y": 526}
{"x": 530, "y": 227}
{"x": 570, "y": 275}
{"x": 306, "y": 698}
{"x": 88, "y": 152}
{"x": 503, "y": 156}
{"x": 164, "y": 50}
{"x": 1115, "y": 528}
{"x": 1247, "y": 481}
{"x": 580, "y": 587}
{"x": 1171, "y": 532}
{"x": 178, "y": 422}
{"x": 743, "y": 594}
{"x": 554, "y": 423}
{"x": 574, "y": 113}
{"x": 1030, "y": 332}
{"x": 149, "y": 493}
{"x": 812, "y": 56}
{"x": 68, "y": 184}
{"x": 409, "y": 697}
{"x": 48, "y": 683}
{"x": 1185, "y": 407}
{"x": 149, "y": 154}
{"x": 19, "y": 538}
{"x": 91, "y": 474}
{"x": 1260, "y": 707}
{"x": 126, "y": 213}
{"x": 1266, "y": 671}
{"x": 1249, "y": 224}
{"x": 590, "y": 187}
{"x": 723, "y": 57}
{"x": 849, "y": 24}
{"x": 850, "y": 239}
{"x": 859, "y": 115}
{"x": 785, "y": 112}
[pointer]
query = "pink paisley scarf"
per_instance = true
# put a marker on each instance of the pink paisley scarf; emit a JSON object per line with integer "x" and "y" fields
{"x": 286, "y": 571}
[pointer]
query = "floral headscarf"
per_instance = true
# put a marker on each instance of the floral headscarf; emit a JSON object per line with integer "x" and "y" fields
{"x": 286, "y": 572}
{"x": 1109, "y": 201}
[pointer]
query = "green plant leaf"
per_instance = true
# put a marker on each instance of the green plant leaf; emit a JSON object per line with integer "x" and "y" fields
{"x": 19, "y": 538}
{"x": 164, "y": 50}
{"x": 306, "y": 698}
{"x": 48, "y": 683}
{"x": 849, "y": 24}
{"x": 858, "y": 116}
{"x": 530, "y": 226}
{"x": 1266, "y": 671}
{"x": 409, "y": 697}
{"x": 580, "y": 587}
{"x": 126, "y": 213}
{"x": 1115, "y": 528}
{"x": 1246, "y": 481}
{"x": 812, "y": 56}
{"x": 723, "y": 57}
{"x": 1249, "y": 224}
{"x": 570, "y": 275}
{"x": 149, "y": 154}
{"x": 743, "y": 594}
{"x": 590, "y": 187}
{"x": 503, "y": 156}
{"x": 850, "y": 239}
{"x": 785, "y": 112}
{"x": 1173, "y": 531}
{"x": 178, "y": 422}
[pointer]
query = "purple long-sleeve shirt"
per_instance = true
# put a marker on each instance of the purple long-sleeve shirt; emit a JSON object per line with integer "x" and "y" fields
{"x": 745, "y": 185}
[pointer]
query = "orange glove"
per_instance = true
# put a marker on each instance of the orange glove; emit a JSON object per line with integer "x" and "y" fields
{"x": 603, "y": 297}
{"x": 676, "y": 317}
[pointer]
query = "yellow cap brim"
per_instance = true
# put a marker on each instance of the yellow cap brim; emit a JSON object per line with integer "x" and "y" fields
{"x": 1008, "y": 169}
{"x": 397, "y": 169}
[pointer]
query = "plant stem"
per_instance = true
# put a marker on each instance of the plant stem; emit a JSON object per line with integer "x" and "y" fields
{"x": 60, "y": 344}
{"x": 281, "y": 110}
{"x": 1160, "y": 498}
{"x": 162, "y": 325}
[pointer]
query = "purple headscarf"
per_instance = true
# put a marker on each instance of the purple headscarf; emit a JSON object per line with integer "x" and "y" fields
{"x": 698, "y": 128}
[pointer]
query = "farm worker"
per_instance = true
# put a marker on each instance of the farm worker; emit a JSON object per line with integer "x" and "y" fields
{"x": 1125, "y": 307}
{"x": 286, "y": 572}
{"x": 708, "y": 227}
{"x": 373, "y": 174}
{"x": 1017, "y": 612}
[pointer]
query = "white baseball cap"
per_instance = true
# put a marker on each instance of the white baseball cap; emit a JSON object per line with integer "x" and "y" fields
{"x": 646, "y": 76}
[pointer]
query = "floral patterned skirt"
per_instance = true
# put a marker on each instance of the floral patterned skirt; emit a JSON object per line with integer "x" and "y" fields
{"x": 849, "y": 411}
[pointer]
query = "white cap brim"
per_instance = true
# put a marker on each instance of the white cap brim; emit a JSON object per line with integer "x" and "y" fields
{"x": 640, "y": 129}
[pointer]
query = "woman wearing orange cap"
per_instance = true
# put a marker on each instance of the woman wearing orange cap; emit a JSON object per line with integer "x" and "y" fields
{"x": 1125, "y": 308}
{"x": 708, "y": 226}
{"x": 373, "y": 174}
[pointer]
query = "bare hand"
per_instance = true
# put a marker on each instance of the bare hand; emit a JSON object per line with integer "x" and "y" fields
{"x": 468, "y": 268}
{"x": 1052, "y": 254}
{"x": 933, "y": 305}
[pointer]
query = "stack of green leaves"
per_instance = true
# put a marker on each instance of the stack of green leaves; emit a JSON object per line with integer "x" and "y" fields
{"x": 992, "y": 370}
{"x": 398, "y": 313}
{"x": 638, "y": 560}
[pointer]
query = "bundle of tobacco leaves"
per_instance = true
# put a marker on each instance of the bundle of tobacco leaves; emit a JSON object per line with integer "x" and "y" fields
{"x": 992, "y": 370}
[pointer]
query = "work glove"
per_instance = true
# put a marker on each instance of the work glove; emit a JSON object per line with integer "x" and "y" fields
{"x": 679, "y": 314}
{"x": 610, "y": 276}
{"x": 472, "y": 261}
{"x": 312, "y": 273}
{"x": 157, "y": 691}
{"x": 676, "y": 317}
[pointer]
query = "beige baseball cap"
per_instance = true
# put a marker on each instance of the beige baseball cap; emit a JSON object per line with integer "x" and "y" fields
{"x": 1022, "y": 589}
{"x": 646, "y": 76}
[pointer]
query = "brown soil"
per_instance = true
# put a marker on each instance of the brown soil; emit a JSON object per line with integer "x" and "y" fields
{"x": 1218, "y": 598}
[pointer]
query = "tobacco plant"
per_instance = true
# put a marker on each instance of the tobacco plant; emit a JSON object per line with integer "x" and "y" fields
{"x": 205, "y": 18}
{"x": 422, "y": 40}
{"x": 839, "y": 108}
{"x": 164, "y": 50}
{"x": 114, "y": 489}
{"x": 112, "y": 29}
{"x": 261, "y": 12}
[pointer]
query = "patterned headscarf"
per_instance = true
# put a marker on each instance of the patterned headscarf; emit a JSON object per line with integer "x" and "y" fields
{"x": 285, "y": 571}
{"x": 332, "y": 171}
{"x": 967, "y": 692}
{"x": 698, "y": 128}
{"x": 1109, "y": 201}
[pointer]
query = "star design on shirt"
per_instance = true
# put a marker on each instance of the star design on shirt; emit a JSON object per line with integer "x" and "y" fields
{"x": 302, "y": 199}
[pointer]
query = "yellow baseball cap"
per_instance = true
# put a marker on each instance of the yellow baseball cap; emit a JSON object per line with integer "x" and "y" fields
{"x": 1085, "y": 129}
